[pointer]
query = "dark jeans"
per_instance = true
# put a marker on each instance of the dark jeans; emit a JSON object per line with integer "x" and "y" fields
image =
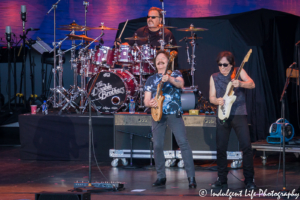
{"x": 240, "y": 125}
{"x": 178, "y": 129}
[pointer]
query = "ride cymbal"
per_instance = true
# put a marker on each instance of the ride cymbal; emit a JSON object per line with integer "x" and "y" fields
{"x": 102, "y": 27}
{"x": 137, "y": 38}
{"x": 192, "y": 28}
{"x": 81, "y": 37}
{"x": 169, "y": 46}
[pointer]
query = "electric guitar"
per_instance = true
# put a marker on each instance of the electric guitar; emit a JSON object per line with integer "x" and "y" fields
{"x": 229, "y": 97}
{"x": 157, "y": 111}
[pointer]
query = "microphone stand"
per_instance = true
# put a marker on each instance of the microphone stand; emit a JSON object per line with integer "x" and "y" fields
{"x": 54, "y": 6}
{"x": 9, "y": 75}
{"x": 283, "y": 129}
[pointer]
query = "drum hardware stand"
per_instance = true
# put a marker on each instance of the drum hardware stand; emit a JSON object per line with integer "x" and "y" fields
{"x": 84, "y": 65}
{"x": 54, "y": 7}
{"x": 192, "y": 61}
{"x": 60, "y": 89}
{"x": 86, "y": 4}
{"x": 162, "y": 30}
{"x": 140, "y": 86}
{"x": 193, "y": 44}
{"x": 73, "y": 94}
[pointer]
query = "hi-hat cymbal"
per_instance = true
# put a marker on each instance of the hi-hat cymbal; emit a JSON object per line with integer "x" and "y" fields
{"x": 169, "y": 46}
{"x": 192, "y": 28}
{"x": 160, "y": 25}
{"x": 81, "y": 37}
{"x": 136, "y": 38}
{"x": 102, "y": 27}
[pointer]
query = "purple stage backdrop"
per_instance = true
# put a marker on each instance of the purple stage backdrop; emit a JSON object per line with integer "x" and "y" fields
{"x": 112, "y": 12}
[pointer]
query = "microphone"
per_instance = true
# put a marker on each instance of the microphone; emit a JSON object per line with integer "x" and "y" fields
{"x": 32, "y": 29}
{"x": 294, "y": 63}
{"x": 8, "y": 35}
{"x": 23, "y": 15}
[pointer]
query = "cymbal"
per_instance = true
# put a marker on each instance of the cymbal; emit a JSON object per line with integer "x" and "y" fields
{"x": 102, "y": 27}
{"x": 169, "y": 46}
{"x": 192, "y": 28}
{"x": 74, "y": 28}
{"x": 81, "y": 37}
{"x": 160, "y": 25}
{"x": 136, "y": 38}
{"x": 195, "y": 38}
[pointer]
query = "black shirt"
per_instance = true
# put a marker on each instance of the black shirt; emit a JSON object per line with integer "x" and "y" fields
{"x": 154, "y": 37}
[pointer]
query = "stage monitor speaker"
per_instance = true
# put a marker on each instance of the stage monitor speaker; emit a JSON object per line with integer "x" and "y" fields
{"x": 201, "y": 133}
{"x": 63, "y": 196}
{"x": 139, "y": 124}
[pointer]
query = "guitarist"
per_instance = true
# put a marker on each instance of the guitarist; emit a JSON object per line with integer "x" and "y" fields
{"x": 171, "y": 116}
{"x": 237, "y": 119}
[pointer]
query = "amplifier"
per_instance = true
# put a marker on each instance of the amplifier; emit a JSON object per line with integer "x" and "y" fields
{"x": 201, "y": 133}
{"x": 139, "y": 126}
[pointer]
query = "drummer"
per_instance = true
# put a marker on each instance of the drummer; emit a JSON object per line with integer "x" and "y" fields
{"x": 152, "y": 29}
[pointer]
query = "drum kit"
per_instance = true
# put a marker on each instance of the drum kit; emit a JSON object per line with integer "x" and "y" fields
{"x": 111, "y": 88}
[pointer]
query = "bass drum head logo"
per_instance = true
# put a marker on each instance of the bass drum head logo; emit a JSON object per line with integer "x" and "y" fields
{"x": 109, "y": 91}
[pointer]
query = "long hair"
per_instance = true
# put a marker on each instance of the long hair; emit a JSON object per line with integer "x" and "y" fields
{"x": 166, "y": 54}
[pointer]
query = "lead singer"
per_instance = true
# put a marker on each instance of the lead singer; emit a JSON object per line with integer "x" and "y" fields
{"x": 172, "y": 112}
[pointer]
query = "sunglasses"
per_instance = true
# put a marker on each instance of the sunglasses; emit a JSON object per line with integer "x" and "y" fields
{"x": 152, "y": 17}
{"x": 224, "y": 64}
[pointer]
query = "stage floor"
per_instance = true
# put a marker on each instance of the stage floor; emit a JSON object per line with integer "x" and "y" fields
{"x": 21, "y": 179}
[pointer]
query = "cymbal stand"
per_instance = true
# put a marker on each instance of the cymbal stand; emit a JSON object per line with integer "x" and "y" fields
{"x": 193, "y": 44}
{"x": 54, "y": 7}
{"x": 140, "y": 86}
{"x": 162, "y": 30}
{"x": 86, "y": 4}
{"x": 73, "y": 94}
{"x": 60, "y": 89}
{"x": 83, "y": 61}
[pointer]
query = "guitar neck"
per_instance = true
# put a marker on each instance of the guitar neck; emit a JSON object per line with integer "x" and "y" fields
{"x": 236, "y": 77}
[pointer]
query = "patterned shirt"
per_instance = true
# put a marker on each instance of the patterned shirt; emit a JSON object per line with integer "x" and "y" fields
{"x": 172, "y": 94}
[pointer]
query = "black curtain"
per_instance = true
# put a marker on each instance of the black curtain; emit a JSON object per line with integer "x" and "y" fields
{"x": 270, "y": 34}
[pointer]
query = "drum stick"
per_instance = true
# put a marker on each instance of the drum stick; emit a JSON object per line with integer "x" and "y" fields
{"x": 123, "y": 29}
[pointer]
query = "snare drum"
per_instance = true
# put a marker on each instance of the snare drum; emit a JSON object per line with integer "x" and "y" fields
{"x": 104, "y": 57}
{"x": 123, "y": 55}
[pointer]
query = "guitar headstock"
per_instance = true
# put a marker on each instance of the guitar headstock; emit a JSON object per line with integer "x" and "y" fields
{"x": 247, "y": 56}
{"x": 173, "y": 55}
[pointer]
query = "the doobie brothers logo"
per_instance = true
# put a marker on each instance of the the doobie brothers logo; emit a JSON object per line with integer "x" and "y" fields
{"x": 104, "y": 90}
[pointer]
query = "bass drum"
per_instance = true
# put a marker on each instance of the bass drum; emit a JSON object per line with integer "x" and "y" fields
{"x": 189, "y": 100}
{"x": 112, "y": 89}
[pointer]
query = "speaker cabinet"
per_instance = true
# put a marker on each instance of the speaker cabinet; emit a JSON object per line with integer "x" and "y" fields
{"x": 140, "y": 126}
{"x": 63, "y": 196}
{"x": 201, "y": 133}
